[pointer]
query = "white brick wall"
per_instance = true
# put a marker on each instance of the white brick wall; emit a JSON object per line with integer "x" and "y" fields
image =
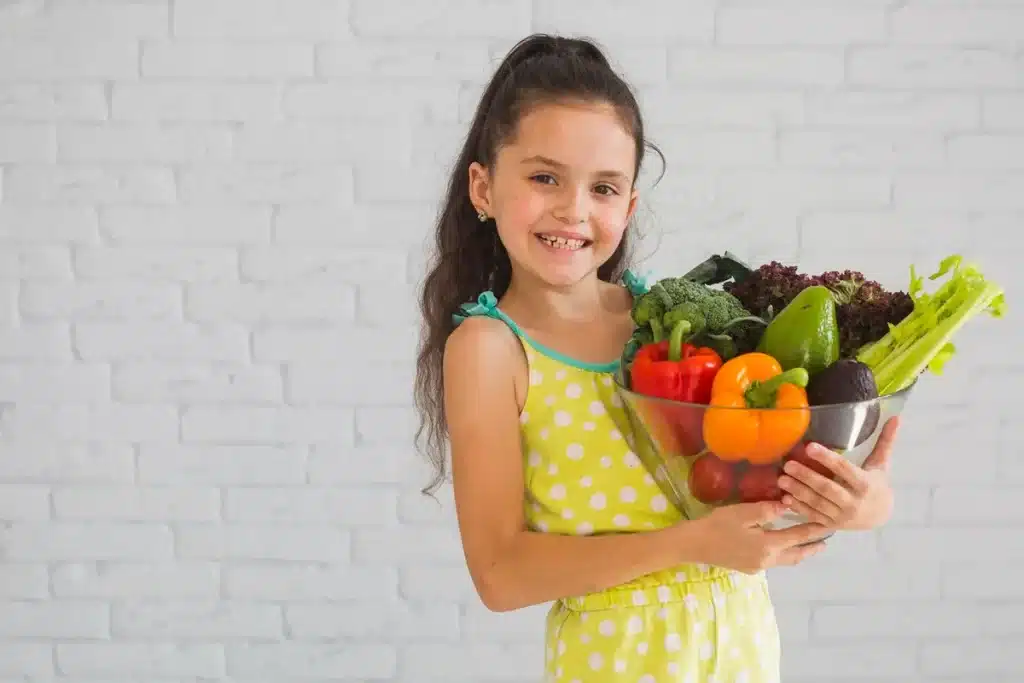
{"x": 212, "y": 215}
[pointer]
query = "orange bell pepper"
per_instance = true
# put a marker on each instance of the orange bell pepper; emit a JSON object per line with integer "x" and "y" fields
{"x": 757, "y": 412}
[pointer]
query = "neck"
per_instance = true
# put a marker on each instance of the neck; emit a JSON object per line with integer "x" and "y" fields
{"x": 580, "y": 302}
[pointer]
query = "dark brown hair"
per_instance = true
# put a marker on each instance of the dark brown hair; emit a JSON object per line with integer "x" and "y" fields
{"x": 468, "y": 256}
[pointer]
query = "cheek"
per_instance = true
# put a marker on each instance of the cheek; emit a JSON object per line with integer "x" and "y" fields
{"x": 521, "y": 209}
{"x": 610, "y": 221}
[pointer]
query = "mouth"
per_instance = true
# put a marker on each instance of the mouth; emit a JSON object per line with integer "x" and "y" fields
{"x": 566, "y": 243}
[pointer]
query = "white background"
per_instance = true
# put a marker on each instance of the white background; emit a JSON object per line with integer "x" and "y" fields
{"x": 212, "y": 219}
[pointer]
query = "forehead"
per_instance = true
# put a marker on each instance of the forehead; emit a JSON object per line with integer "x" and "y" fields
{"x": 584, "y": 137}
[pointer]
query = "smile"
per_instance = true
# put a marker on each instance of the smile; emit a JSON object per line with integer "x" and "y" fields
{"x": 568, "y": 244}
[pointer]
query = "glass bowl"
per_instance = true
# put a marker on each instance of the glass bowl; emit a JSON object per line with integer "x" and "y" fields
{"x": 669, "y": 439}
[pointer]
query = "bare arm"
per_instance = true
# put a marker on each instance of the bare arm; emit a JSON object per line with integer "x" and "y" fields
{"x": 511, "y": 566}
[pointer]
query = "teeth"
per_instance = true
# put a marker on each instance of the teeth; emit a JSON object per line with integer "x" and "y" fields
{"x": 562, "y": 243}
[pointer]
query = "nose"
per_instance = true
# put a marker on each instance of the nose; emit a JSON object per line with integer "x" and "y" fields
{"x": 572, "y": 206}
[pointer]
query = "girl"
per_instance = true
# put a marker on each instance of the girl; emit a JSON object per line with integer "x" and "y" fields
{"x": 552, "y": 504}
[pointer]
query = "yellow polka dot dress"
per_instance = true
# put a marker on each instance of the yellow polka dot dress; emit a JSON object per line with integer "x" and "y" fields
{"x": 693, "y": 623}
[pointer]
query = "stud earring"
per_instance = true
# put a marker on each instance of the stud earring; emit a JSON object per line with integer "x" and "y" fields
{"x": 481, "y": 215}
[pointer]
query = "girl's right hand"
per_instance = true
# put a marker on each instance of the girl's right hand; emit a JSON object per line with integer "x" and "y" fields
{"x": 733, "y": 537}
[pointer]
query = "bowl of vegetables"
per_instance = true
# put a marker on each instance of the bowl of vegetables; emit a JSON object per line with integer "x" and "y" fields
{"x": 733, "y": 370}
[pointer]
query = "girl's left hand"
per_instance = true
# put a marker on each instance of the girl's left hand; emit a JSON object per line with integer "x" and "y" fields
{"x": 855, "y": 498}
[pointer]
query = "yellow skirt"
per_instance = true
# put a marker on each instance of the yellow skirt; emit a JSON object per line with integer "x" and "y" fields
{"x": 713, "y": 627}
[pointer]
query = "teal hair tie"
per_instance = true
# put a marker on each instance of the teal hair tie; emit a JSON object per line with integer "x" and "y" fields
{"x": 485, "y": 304}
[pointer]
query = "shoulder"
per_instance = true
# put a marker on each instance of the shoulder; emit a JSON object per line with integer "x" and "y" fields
{"x": 480, "y": 336}
{"x": 483, "y": 352}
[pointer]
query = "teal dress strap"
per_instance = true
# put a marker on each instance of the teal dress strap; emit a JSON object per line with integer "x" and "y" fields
{"x": 636, "y": 284}
{"x": 486, "y": 304}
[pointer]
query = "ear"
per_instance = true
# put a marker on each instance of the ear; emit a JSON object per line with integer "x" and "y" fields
{"x": 634, "y": 199}
{"x": 480, "y": 187}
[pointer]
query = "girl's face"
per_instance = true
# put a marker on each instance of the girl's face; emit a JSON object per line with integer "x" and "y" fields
{"x": 561, "y": 192}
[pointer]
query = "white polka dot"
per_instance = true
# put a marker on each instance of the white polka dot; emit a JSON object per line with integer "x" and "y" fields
{"x": 606, "y": 462}
{"x": 647, "y": 678}
{"x": 607, "y": 381}
{"x": 589, "y": 426}
{"x": 598, "y": 501}
{"x": 561, "y": 647}
{"x": 560, "y": 374}
{"x": 743, "y": 677}
{"x": 664, "y": 594}
{"x": 552, "y": 468}
{"x": 620, "y": 665}
{"x": 543, "y": 526}
{"x": 573, "y": 390}
{"x": 574, "y": 451}
{"x": 596, "y": 408}
{"x": 691, "y": 602}
{"x": 586, "y": 481}
{"x": 562, "y": 418}
{"x": 621, "y": 520}
{"x": 566, "y": 513}
{"x": 534, "y": 459}
{"x": 707, "y": 651}
{"x": 558, "y": 491}
{"x": 673, "y": 643}
{"x": 524, "y": 417}
{"x": 649, "y": 480}
{"x": 616, "y": 400}
{"x": 606, "y": 628}
{"x": 615, "y": 435}
{"x": 635, "y": 625}
{"x": 544, "y": 433}
{"x": 585, "y": 528}
{"x": 536, "y": 377}
{"x": 641, "y": 648}
{"x": 631, "y": 460}
{"x": 673, "y": 669}
{"x": 662, "y": 613}
{"x": 659, "y": 503}
{"x": 585, "y": 638}
{"x": 627, "y": 494}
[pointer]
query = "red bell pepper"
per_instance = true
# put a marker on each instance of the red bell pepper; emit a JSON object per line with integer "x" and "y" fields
{"x": 675, "y": 370}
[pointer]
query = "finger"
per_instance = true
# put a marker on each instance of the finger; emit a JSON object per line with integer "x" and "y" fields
{"x": 809, "y": 513}
{"x": 881, "y": 453}
{"x": 840, "y": 466}
{"x": 792, "y": 556}
{"x": 761, "y": 512}
{"x": 823, "y": 494}
{"x": 797, "y": 535}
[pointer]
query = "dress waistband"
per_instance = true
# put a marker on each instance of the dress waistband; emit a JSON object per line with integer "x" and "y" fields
{"x": 683, "y": 588}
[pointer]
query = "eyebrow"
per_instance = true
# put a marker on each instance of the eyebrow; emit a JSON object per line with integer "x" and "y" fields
{"x": 539, "y": 158}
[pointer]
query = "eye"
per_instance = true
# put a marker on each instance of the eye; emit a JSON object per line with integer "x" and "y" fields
{"x": 542, "y": 177}
{"x": 609, "y": 189}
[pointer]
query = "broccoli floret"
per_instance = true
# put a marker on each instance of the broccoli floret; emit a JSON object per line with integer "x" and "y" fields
{"x": 722, "y": 308}
{"x": 688, "y": 311}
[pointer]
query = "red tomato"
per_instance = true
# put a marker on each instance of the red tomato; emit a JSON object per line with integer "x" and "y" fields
{"x": 711, "y": 480}
{"x": 760, "y": 482}
{"x": 799, "y": 453}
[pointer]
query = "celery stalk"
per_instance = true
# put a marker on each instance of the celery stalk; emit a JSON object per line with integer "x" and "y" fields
{"x": 921, "y": 341}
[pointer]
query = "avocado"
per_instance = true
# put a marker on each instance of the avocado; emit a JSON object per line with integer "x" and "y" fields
{"x": 805, "y": 333}
{"x": 835, "y": 425}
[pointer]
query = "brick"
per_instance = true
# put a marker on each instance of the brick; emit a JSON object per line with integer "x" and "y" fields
{"x": 481, "y": 661}
{"x": 320, "y": 344}
{"x": 33, "y": 341}
{"x": 89, "y": 143}
{"x": 71, "y": 19}
{"x": 48, "y": 225}
{"x": 424, "y": 582}
{"x": 267, "y": 184}
{"x": 208, "y": 619}
{"x": 101, "y": 301}
{"x": 959, "y": 190}
{"x": 800, "y": 25}
{"x": 221, "y": 465}
{"x": 319, "y": 265}
{"x": 106, "y": 580}
{"x": 35, "y": 263}
{"x": 424, "y": 59}
{"x": 359, "y": 226}
{"x": 27, "y": 143}
{"x": 974, "y": 505}
{"x": 385, "y": 425}
{"x": 23, "y": 659}
{"x": 332, "y": 383}
{"x": 917, "y": 464}
{"x": 78, "y": 185}
{"x": 945, "y": 544}
{"x": 196, "y": 102}
{"x": 239, "y": 424}
{"x": 295, "y": 583}
{"x": 348, "y": 507}
{"x": 704, "y": 149}
{"x": 849, "y": 662}
{"x": 845, "y": 189}
{"x": 38, "y": 459}
{"x": 450, "y": 19}
{"x": 178, "y": 226}
{"x": 986, "y": 151}
{"x": 23, "y": 503}
{"x": 395, "y": 622}
{"x": 827, "y": 231}
{"x": 755, "y": 67}
{"x": 916, "y": 109}
{"x": 424, "y": 545}
{"x": 864, "y": 578}
{"x": 331, "y": 464}
{"x": 1003, "y": 110}
{"x": 270, "y": 302}
{"x": 613, "y": 20}
{"x": 971, "y": 657}
{"x": 57, "y": 620}
{"x": 969, "y": 26}
{"x": 860, "y": 149}
{"x": 317, "y": 143}
{"x": 387, "y": 307}
{"x": 157, "y": 264}
{"x": 57, "y": 541}
{"x": 139, "y": 381}
{"x": 924, "y": 68}
{"x": 52, "y": 102}
{"x": 91, "y": 422}
{"x": 481, "y": 625}
{"x": 137, "y": 504}
{"x": 960, "y": 582}
{"x": 63, "y": 60}
{"x": 277, "y": 19}
{"x": 899, "y": 622}
{"x": 215, "y": 61}
{"x": 9, "y": 303}
{"x": 391, "y": 102}
{"x": 158, "y": 341}
{"x": 252, "y": 542}
{"x": 341, "y": 660}
{"x": 23, "y": 581}
{"x": 709, "y": 108}
{"x": 151, "y": 660}
{"x": 417, "y": 509}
